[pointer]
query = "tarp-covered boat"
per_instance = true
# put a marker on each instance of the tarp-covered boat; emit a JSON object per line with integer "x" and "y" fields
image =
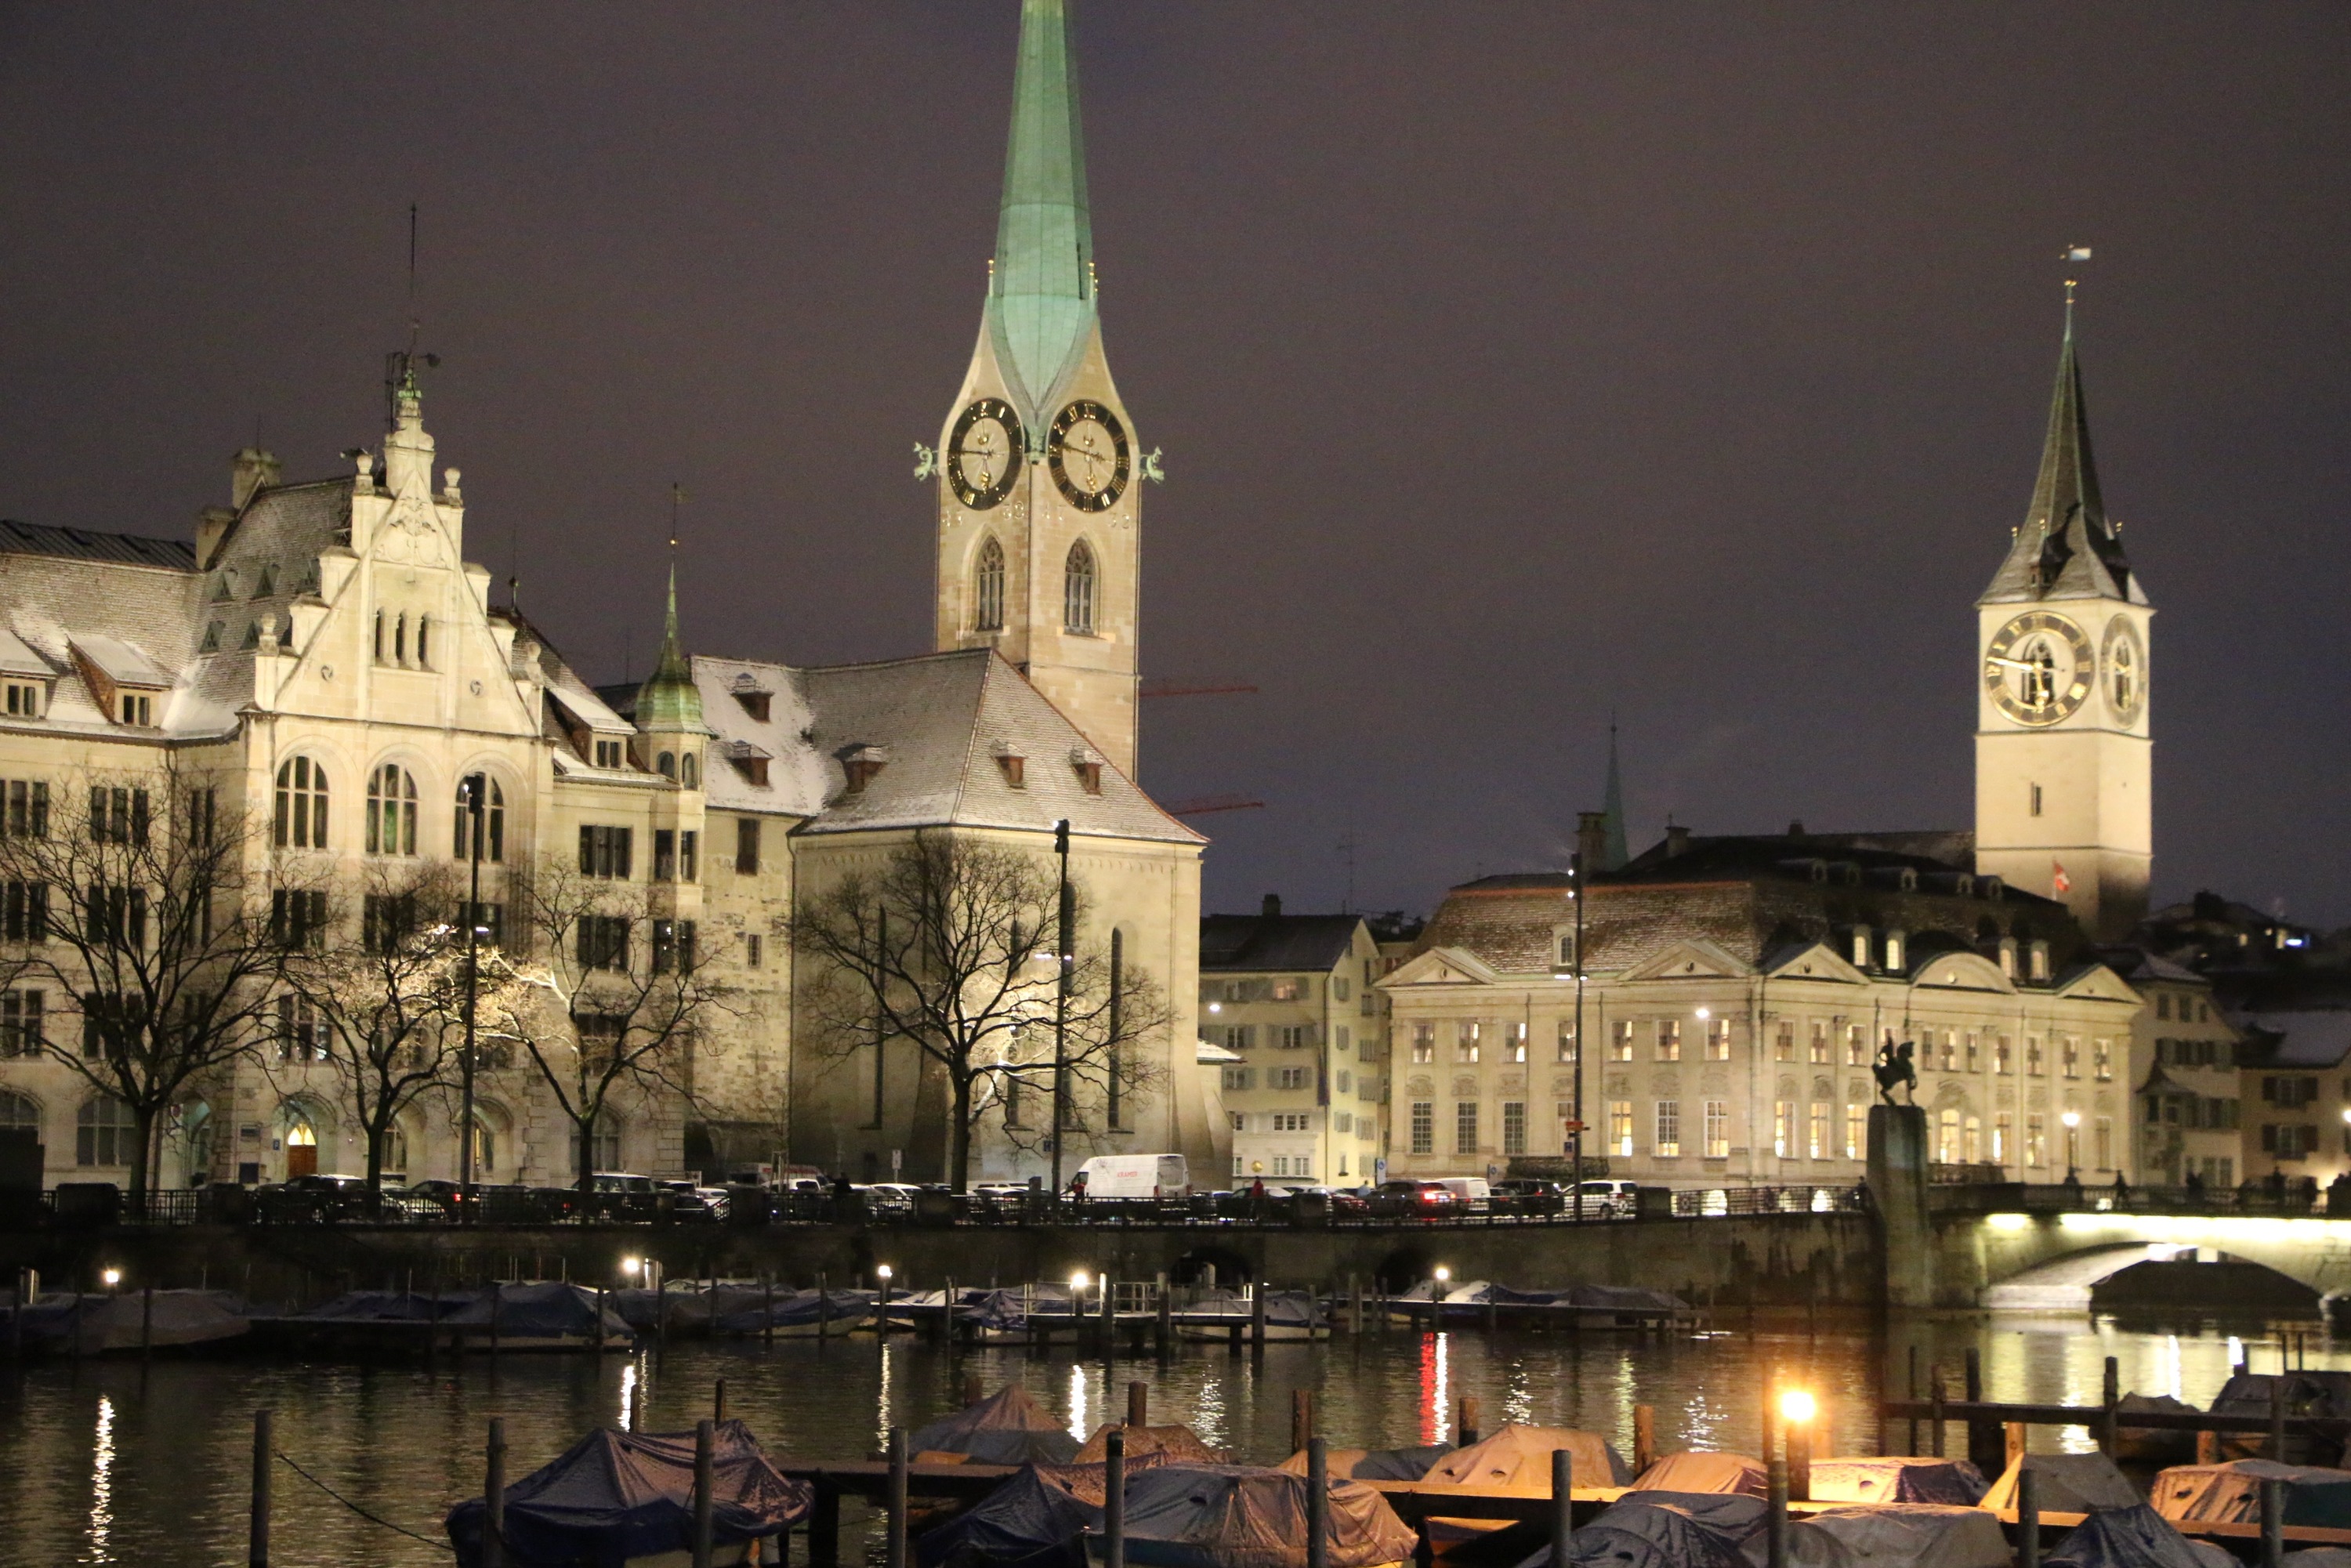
{"x": 1372, "y": 1464}
{"x": 1904, "y": 1535}
{"x": 1897, "y": 1477}
{"x": 1037, "y": 1519}
{"x": 2304, "y": 1393}
{"x": 1707, "y": 1472}
{"x": 2232, "y": 1492}
{"x": 1008, "y": 1427}
{"x": 1289, "y": 1315}
{"x": 2068, "y": 1483}
{"x": 1234, "y": 1516}
{"x": 618, "y": 1499}
{"x": 1180, "y": 1444}
{"x": 549, "y": 1315}
{"x": 1517, "y": 1460}
{"x": 2134, "y": 1537}
{"x": 2153, "y": 1445}
{"x": 100, "y": 1325}
{"x": 1665, "y": 1529}
{"x": 799, "y": 1314}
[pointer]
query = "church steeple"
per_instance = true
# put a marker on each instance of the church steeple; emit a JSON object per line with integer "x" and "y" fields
{"x": 669, "y": 701}
{"x": 1040, "y": 291}
{"x": 2066, "y": 549}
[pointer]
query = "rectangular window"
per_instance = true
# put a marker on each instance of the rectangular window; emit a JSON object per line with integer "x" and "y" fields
{"x": 746, "y": 846}
{"x": 24, "y": 700}
{"x": 2033, "y": 1056}
{"x": 1620, "y": 1042}
{"x": 489, "y": 920}
{"x": 302, "y": 1033}
{"x": 2036, "y": 1139}
{"x": 2163, "y": 1005}
{"x": 1717, "y": 1129}
{"x": 2071, "y": 1049}
{"x": 1818, "y": 1143}
{"x": 2102, "y": 1059}
{"x": 1620, "y": 1127}
{"x": 1464, "y": 1127}
{"x": 751, "y": 951}
{"x": 1566, "y": 1040}
{"x": 604, "y": 942}
{"x": 1514, "y": 1041}
{"x": 27, "y": 812}
{"x": 1669, "y": 1039}
{"x": 1975, "y": 1052}
{"x": 689, "y": 855}
{"x": 1465, "y": 1042}
{"x": 2102, "y": 1142}
{"x": 1514, "y": 1127}
{"x": 1718, "y": 1039}
{"x": 1424, "y": 1127}
{"x": 385, "y": 921}
{"x": 1237, "y": 1078}
{"x": 117, "y": 816}
{"x": 1820, "y": 1044}
{"x": 1291, "y": 1036}
{"x": 2003, "y": 1056}
{"x": 608, "y": 754}
{"x": 1669, "y": 1129}
{"x": 24, "y": 911}
{"x": 673, "y": 946}
{"x": 1289, "y": 1078}
{"x": 604, "y": 852}
{"x": 1290, "y": 990}
{"x": 297, "y": 916}
{"x": 1783, "y": 1128}
{"x": 1856, "y": 1046}
{"x": 2003, "y": 1138}
{"x": 1338, "y": 987}
{"x": 1424, "y": 1042}
{"x": 1856, "y": 1132}
{"x": 664, "y": 854}
{"x": 21, "y": 1033}
{"x": 1344, "y": 1122}
{"x": 1783, "y": 1044}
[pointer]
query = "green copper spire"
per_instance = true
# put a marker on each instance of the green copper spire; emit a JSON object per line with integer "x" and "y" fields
{"x": 669, "y": 700}
{"x": 1616, "y": 853}
{"x": 1041, "y": 290}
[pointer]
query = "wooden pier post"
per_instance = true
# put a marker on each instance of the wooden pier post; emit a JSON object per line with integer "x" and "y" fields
{"x": 2110, "y": 1396}
{"x": 1562, "y": 1504}
{"x": 2272, "y": 1520}
{"x": 2028, "y": 1515}
{"x": 1465, "y": 1425}
{"x": 2277, "y": 1419}
{"x": 1257, "y": 1317}
{"x": 1935, "y": 1398}
{"x": 1138, "y": 1403}
{"x": 704, "y": 1500}
{"x": 823, "y": 1332}
{"x": 2207, "y": 1447}
{"x": 1799, "y": 1461}
{"x": 1644, "y": 1437}
{"x": 824, "y": 1527}
{"x": 895, "y": 1547}
{"x": 493, "y": 1496}
{"x": 1114, "y": 1498}
{"x": 2013, "y": 1441}
{"x": 1913, "y": 1448}
{"x": 1318, "y": 1504}
{"x": 256, "y": 1545}
{"x": 1164, "y": 1328}
{"x": 1775, "y": 1518}
{"x": 1301, "y": 1418}
{"x": 944, "y": 1330}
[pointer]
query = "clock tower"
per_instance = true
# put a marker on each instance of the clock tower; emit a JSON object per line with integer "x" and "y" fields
{"x": 1040, "y": 547}
{"x": 2062, "y": 745}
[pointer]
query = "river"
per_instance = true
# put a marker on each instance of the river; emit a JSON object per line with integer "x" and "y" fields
{"x": 112, "y": 1462}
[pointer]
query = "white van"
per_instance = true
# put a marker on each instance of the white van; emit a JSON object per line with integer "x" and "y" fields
{"x": 1136, "y": 1175}
{"x": 1474, "y": 1194}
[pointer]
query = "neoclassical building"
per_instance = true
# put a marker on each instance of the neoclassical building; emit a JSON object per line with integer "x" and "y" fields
{"x": 325, "y": 655}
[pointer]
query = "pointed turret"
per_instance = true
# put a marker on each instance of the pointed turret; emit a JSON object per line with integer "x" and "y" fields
{"x": 1041, "y": 291}
{"x": 2066, "y": 549}
{"x": 1613, "y": 851}
{"x": 669, "y": 703}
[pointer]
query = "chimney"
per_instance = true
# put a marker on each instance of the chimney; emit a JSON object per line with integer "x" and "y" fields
{"x": 1273, "y": 906}
{"x": 1796, "y": 829}
{"x": 1676, "y": 841}
{"x": 1591, "y": 840}
{"x": 253, "y": 470}
{"x": 211, "y": 526}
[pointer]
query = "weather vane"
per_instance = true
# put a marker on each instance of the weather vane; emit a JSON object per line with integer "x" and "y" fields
{"x": 2073, "y": 254}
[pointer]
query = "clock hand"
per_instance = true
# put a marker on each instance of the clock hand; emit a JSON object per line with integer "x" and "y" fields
{"x": 2012, "y": 663}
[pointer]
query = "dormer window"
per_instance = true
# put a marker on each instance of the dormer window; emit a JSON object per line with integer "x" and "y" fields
{"x": 1088, "y": 767}
{"x": 608, "y": 754}
{"x": 755, "y": 703}
{"x": 2008, "y": 957}
{"x": 863, "y": 764}
{"x": 267, "y": 585}
{"x": 24, "y": 699}
{"x": 223, "y": 590}
{"x": 2040, "y": 961}
{"x": 1015, "y": 769}
{"x": 1894, "y": 954}
{"x": 754, "y": 769}
{"x": 212, "y": 642}
{"x": 1861, "y": 946}
{"x": 137, "y": 709}
{"x": 1908, "y": 880}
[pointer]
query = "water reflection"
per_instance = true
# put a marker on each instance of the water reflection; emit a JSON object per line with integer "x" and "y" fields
{"x": 104, "y": 1465}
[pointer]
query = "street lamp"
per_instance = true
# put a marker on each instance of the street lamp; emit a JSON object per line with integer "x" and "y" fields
{"x": 112, "y": 1277}
{"x": 1443, "y": 1275}
{"x": 475, "y": 786}
{"x": 1797, "y": 1408}
{"x": 630, "y": 1266}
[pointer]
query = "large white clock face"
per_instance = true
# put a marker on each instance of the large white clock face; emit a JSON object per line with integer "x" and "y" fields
{"x": 2123, "y": 662}
{"x": 2039, "y": 667}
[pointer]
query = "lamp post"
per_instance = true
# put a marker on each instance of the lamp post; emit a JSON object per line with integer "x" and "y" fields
{"x": 1797, "y": 1408}
{"x": 1575, "y": 1137}
{"x": 476, "y": 787}
{"x": 1061, "y": 1003}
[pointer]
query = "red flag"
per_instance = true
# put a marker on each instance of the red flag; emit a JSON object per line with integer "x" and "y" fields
{"x": 2058, "y": 880}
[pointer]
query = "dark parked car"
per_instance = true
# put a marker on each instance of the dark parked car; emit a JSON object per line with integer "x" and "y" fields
{"x": 1413, "y": 1200}
{"x": 310, "y": 1199}
{"x": 1528, "y": 1196}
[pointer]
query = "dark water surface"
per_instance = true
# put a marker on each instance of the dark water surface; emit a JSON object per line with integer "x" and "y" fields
{"x": 108, "y": 1462}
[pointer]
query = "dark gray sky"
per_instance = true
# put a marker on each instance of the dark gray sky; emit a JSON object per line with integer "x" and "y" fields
{"x": 1514, "y": 362}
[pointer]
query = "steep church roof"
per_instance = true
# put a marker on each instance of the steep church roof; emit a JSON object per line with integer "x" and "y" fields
{"x": 1041, "y": 301}
{"x": 2066, "y": 549}
{"x": 669, "y": 701}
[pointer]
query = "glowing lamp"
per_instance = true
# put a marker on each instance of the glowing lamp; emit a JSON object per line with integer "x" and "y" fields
{"x": 112, "y": 1277}
{"x": 2072, "y": 1118}
{"x": 1078, "y": 1280}
{"x": 884, "y": 1273}
{"x": 1443, "y": 1274}
{"x": 1704, "y": 1013}
{"x": 1797, "y": 1407}
{"x": 630, "y": 1266}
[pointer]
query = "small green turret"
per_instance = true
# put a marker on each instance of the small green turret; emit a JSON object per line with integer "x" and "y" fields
{"x": 669, "y": 706}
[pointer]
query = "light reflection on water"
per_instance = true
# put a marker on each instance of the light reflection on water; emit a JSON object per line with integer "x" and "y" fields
{"x": 105, "y": 1465}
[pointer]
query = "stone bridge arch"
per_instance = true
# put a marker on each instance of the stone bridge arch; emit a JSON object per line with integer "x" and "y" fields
{"x": 2050, "y": 1261}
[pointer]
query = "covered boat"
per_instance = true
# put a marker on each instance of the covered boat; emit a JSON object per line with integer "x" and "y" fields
{"x": 97, "y": 1325}
{"x": 1001, "y": 1314}
{"x": 1008, "y": 1427}
{"x": 1180, "y": 1444}
{"x": 2154, "y": 1445}
{"x": 798, "y": 1315}
{"x": 2304, "y": 1393}
{"x": 1665, "y": 1529}
{"x": 622, "y": 1500}
{"x": 549, "y": 1315}
{"x": 1897, "y": 1477}
{"x": 2134, "y": 1537}
{"x": 1905, "y": 1535}
{"x": 2232, "y": 1492}
{"x": 1236, "y": 1516}
{"x": 1289, "y": 1315}
{"x": 1707, "y": 1472}
{"x": 1517, "y": 1460}
{"x": 1372, "y": 1464}
{"x": 1037, "y": 1519}
{"x": 2069, "y": 1483}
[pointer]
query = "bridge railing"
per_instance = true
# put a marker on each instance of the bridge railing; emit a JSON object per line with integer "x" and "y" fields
{"x": 2066, "y": 1197}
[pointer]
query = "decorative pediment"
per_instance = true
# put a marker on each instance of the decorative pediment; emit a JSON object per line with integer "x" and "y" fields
{"x": 1693, "y": 959}
{"x": 1818, "y": 961}
{"x": 2095, "y": 982}
{"x": 1441, "y": 966}
{"x": 1961, "y": 971}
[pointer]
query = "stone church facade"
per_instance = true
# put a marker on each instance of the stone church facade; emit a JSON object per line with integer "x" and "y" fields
{"x": 322, "y": 653}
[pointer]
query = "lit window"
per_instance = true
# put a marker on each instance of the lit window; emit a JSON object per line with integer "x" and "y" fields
{"x": 1620, "y": 1127}
{"x": 1620, "y": 1042}
{"x": 391, "y": 811}
{"x": 1783, "y": 1128}
{"x": 300, "y": 822}
{"x": 1818, "y": 1146}
{"x": 1669, "y": 1039}
{"x": 1465, "y": 1042}
{"x": 1669, "y": 1129}
{"x": 1717, "y": 1129}
{"x": 1856, "y": 1130}
{"x": 1718, "y": 1039}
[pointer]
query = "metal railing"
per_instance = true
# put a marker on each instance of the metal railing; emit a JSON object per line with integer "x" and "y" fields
{"x": 2296, "y": 1201}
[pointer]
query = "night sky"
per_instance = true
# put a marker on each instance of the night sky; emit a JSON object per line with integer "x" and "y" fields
{"x": 1515, "y": 364}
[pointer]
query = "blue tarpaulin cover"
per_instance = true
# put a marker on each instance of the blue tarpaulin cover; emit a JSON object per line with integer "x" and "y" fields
{"x": 1037, "y": 1518}
{"x": 2135, "y": 1537}
{"x": 549, "y": 1311}
{"x": 1665, "y": 1529}
{"x": 1008, "y": 1427}
{"x": 1236, "y": 1516}
{"x": 618, "y": 1495}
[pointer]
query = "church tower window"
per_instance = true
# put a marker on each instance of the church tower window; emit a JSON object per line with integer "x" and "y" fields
{"x": 987, "y": 588}
{"x": 1078, "y": 591}
{"x": 301, "y": 818}
{"x": 391, "y": 811}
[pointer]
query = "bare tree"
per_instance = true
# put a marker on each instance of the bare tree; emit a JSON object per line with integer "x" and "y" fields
{"x": 386, "y": 1014}
{"x": 140, "y": 900}
{"x": 612, "y": 1000}
{"x": 951, "y": 948}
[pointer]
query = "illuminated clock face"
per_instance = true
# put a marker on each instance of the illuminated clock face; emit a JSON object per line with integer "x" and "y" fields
{"x": 2123, "y": 662}
{"x": 983, "y": 453}
{"x": 2039, "y": 668}
{"x": 1089, "y": 455}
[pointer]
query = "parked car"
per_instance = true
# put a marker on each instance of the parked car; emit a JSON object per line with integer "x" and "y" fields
{"x": 1611, "y": 1199}
{"x": 887, "y": 1201}
{"x": 622, "y": 1195}
{"x": 311, "y": 1199}
{"x": 691, "y": 1203}
{"x": 1528, "y": 1196}
{"x": 1475, "y": 1193}
{"x": 1409, "y": 1199}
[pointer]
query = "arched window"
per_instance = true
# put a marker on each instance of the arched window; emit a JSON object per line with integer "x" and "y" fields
{"x": 666, "y": 764}
{"x": 987, "y": 588}
{"x": 18, "y": 1114}
{"x": 423, "y": 645}
{"x": 494, "y": 824}
{"x": 689, "y": 770}
{"x": 379, "y": 636}
{"x": 400, "y": 638}
{"x": 1078, "y": 590}
{"x": 604, "y": 1148}
{"x": 104, "y": 1133}
{"x": 485, "y": 1148}
{"x": 301, "y": 1145}
{"x": 301, "y": 819}
{"x": 391, "y": 811}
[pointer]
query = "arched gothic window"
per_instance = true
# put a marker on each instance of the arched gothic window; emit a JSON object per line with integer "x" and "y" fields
{"x": 301, "y": 818}
{"x": 391, "y": 811}
{"x": 424, "y": 646}
{"x": 666, "y": 764}
{"x": 987, "y": 588}
{"x": 379, "y": 636}
{"x": 689, "y": 771}
{"x": 494, "y": 824}
{"x": 1078, "y": 590}
{"x": 400, "y": 638}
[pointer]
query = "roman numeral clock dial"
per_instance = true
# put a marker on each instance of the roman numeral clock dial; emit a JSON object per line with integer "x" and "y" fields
{"x": 2039, "y": 667}
{"x": 983, "y": 453}
{"x": 1089, "y": 455}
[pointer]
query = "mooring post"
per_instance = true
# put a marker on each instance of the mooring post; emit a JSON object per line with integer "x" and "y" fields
{"x": 1799, "y": 1443}
{"x": 1114, "y": 1498}
{"x": 1138, "y": 1403}
{"x": 2272, "y": 1520}
{"x": 2207, "y": 1447}
{"x": 2111, "y": 1395}
{"x": 1983, "y": 1435}
{"x": 1775, "y": 1518}
{"x": 2028, "y": 1518}
{"x": 2277, "y": 1419}
{"x": 824, "y": 1321}
{"x": 1935, "y": 1406}
{"x": 493, "y": 1496}
{"x": 256, "y": 1549}
{"x": 824, "y": 1527}
{"x": 1644, "y": 1437}
{"x": 600, "y": 1320}
{"x": 1256, "y": 1316}
{"x": 894, "y": 1550}
{"x": 1164, "y": 1328}
{"x": 2013, "y": 1434}
{"x": 1562, "y": 1504}
{"x": 705, "y": 1432}
{"x": 1914, "y": 1400}
{"x": 944, "y": 1330}
{"x": 719, "y": 1401}
{"x": 1301, "y": 1418}
{"x": 1318, "y": 1504}
{"x": 1466, "y": 1424}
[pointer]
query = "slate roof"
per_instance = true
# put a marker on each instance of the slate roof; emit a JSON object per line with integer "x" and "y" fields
{"x": 79, "y": 544}
{"x": 128, "y": 601}
{"x": 1262, "y": 943}
{"x": 2066, "y": 549}
{"x": 2303, "y": 1039}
